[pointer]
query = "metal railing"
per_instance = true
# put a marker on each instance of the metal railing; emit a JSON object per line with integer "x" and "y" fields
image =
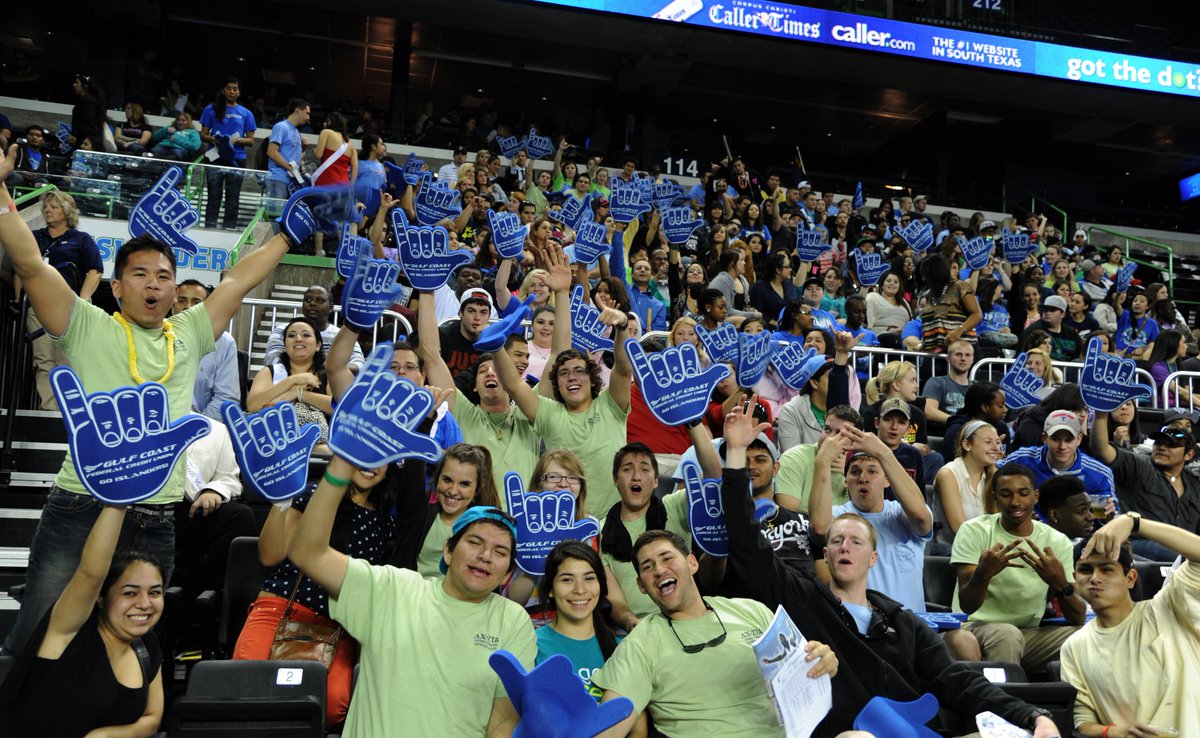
{"x": 1144, "y": 241}
{"x": 992, "y": 370}
{"x": 877, "y": 357}
{"x": 1035, "y": 198}
{"x": 1170, "y": 389}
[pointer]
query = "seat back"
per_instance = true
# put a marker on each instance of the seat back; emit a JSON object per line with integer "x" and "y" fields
{"x": 244, "y": 577}
{"x": 940, "y": 580}
{"x": 252, "y": 698}
{"x": 1150, "y": 579}
{"x": 6, "y": 664}
{"x": 1057, "y": 697}
{"x": 993, "y": 670}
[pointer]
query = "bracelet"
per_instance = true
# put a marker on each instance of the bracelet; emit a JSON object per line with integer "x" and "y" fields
{"x": 335, "y": 481}
{"x": 283, "y": 506}
{"x": 1104, "y": 733}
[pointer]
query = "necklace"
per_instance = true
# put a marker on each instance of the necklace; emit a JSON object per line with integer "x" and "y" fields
{"x": 133, "y": 371}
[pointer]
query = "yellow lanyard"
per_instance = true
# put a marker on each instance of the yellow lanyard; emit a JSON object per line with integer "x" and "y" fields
{"x": 133, "y": 370}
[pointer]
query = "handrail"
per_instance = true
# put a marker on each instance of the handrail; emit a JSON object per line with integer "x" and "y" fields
{"x": 1173, "y": 378}
{"x": 33, "y": 194}
{"x": 1154, "y": 244}
{"x": 887, "y": 355}
{"x": 1033, "y": 208}
{"x": 1072, "y": 377}
{"x": 247, "y": 235}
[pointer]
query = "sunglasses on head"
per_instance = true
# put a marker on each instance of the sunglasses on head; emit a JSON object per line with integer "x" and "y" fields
{"x": 1174, "y": 436}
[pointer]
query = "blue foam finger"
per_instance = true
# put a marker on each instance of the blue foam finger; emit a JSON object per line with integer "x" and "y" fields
{"x": 754, "y": 355}
{"x": 164, "y": 213}
{"x": 679, "y": 224}
{"x": 674, "y": 397}
{"x": 1125, "y": 277}
{"x": 587, "y": 332}
{"x": 1020, "y": 385}
{"x": 272, "y": 449}
{"x": 412, "y": 169}
{"x": 395, "y": 177}
{"x": 553, "y": 701}
{"x": 795, "y": 365}
{"x": 496, "y": 334}
{"x": 306, "y": 210}
{"x": 978, "y": 252}
{"x": 870, "y": 268}
{"x": 1107, "y": 382}
{"x": 538, "y": 146}
{"x": 371, "y": 288}
{"x": 350, "y": 245}
{"x": 664, "y": 194}
{"x": 426, "y": 256}
{"x": 626, "y": 203}
{"x": 544, "y": 519}
{"x": 508, "y": 233}
{"x": 706, "y": 515}
{"x": 810, "y": 244}
{"x": 376, "y": 420}
{"x": 1017, "y": 247}
{"x": 575, "y": 210}
{"x": 122, "y": 460}
{"x": 918, "y": 234}
{"x": 722, "y": 344}
{"x": 590, "y": 243}
{"x": 63, "y": 134}
{"x": 510, "y": 146}
{"x": 435, "y": 201}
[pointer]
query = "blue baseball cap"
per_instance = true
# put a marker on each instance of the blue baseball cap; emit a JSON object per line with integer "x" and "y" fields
{"x": 474, "y": 515}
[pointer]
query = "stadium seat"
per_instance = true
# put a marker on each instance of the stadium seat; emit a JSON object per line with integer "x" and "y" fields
{"x": 1057, "y": 697}
{"x": 243, "y": 580}
{"x": 251, "y": 698}
{"x": 1150, "y": 579}
{"x": 940, "y": 581}
{"x": 6, "y": 664}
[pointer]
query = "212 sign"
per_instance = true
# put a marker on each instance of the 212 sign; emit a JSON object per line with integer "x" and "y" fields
{"x": 996, "y": 5}
{"x": 681, "y": 167}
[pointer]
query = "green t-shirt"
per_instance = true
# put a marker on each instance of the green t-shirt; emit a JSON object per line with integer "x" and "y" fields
{"x": 1016, "y": 595}
{"x": 723, "y": 694}
{"x": 429, "y": 561}
{"x": 796, "y": 475}
{"x": 509, "y": 436}
{"x": 423, "y": 654}
{"x": 595, "y": 435}
{"x": 626, "y": 573}
{"x": 98, "y": 349}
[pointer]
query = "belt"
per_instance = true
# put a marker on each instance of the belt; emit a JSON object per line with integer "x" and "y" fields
{"x": 157, "y": 511}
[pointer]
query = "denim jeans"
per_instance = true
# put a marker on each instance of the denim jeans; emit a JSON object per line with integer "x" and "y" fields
{"x": 1152, "y": 550}
{"x": 222, "y": 181}
{"x": 66, "y": 522}
{"x": 277, "y": 194}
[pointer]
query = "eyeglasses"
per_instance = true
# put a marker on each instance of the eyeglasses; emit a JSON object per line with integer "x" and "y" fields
{"x": 579, "y": 371}
{"x": 698, "y": 647}
{"x": 556, "y": 479}
{"x": 405, "y": 368}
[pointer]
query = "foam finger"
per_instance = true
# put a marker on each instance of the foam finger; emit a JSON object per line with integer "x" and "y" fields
{"x": 155, "y": 407}
{"x": 104, "y": 413}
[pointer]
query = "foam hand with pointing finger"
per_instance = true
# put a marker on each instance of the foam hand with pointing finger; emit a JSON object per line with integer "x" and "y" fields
{"x": 721, "y": 344}
{"x": 544, "y": 519}
{"x": 553, "y": 701}
{"x": 426, "y": 256}
{"x": 810, "y": 244}
{"x": 538, "y": 146}
{"x": 664, "y": 194}
{"x": 588, "y": 333}
{"x": 706, "y": 514}
{"x": 870, "y": 268}
{"x": 376, "y": 421}
{"x": 977, "y": 252}
{"x": 412, "y": 170}
{"x": 272, "y": 448}
{"x": 626, "y": 203}
{"x": 508, "y": 234}
{"x": 795, "y": 365}
{"x": 494, "y": 336}
{"x": 918, "y": 234}
{"x": 679, "y": 224}
{"x": 1107, "y": 382}
{"x": 372, "y": 287}
{"x": 1020, "y": 385}
{"x": 510, "y": 146}
{"x": 123, "y": 443}
{"x": 754, "y": 354}
{"x": 1017, "y": 247}
{"x": 350, "y": 245}
{"x": 674, "y": 384}
{"x": 164, "y": 213}
{"x": 435, "y": 201}
{"x": 590, "y": 243}
{"x": 575, "y": 210}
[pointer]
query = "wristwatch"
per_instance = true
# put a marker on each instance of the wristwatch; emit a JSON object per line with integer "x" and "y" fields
{"x": 1137, "y": 521}
{"x": 1037, "y": 713}
{"x": 1066, "y": 592}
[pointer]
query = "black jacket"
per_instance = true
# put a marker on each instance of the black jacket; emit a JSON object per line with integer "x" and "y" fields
{"x": 903, "y": 662}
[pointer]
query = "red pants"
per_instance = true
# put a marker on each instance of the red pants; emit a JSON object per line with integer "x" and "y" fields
{"x": 259, "y": 632}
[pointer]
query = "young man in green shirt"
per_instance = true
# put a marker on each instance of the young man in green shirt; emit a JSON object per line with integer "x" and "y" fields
{"x": 425, "y": 642}
{"x": 127, "y": 348}
{"x": 692, "y": 663}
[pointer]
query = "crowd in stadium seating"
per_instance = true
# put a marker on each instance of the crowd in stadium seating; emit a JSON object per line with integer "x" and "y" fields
{"x": 1042, "y": 511}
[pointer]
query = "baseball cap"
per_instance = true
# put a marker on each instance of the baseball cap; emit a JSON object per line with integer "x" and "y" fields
{"x": 1055, "y": 302}
{"x": 895, "y": 405}
{"x": 761, "y": 441}
{"x": 803, "y": 183}
{"x": 1173, "y": 437}
{"x": 475, "y": 293}
{"x": 1081, "y": 232}
{"x": 1061, "y": 420}
{"x": 1175, "y": 414}
{"x": 474, "y": 515}
{"x": 1087, "y": 265}
{"x": 919, "y": 198}
{"x": 460, "y": 149}
{"x": 987, "y": 224}
{"x": 812, "y": 280}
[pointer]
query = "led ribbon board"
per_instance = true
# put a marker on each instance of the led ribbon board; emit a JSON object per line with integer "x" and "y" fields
{"x": 914, "y": 40}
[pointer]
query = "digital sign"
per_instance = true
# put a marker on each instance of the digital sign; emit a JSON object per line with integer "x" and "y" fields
{"x": 812, "y": 25}
{"x": 1189, "y": 187}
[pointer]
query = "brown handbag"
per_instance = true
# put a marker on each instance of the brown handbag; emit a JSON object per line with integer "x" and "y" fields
{"x": 296, "y": 641}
